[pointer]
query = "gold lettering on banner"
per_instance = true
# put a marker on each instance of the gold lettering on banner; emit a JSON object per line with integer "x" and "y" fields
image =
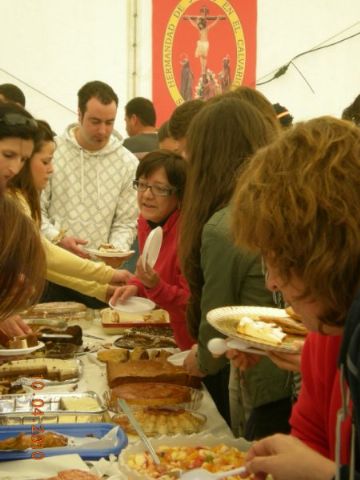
{"x": 169, "y": 41}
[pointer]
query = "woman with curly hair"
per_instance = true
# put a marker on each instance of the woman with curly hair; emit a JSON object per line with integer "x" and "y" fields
{"x": 297, "y": 202}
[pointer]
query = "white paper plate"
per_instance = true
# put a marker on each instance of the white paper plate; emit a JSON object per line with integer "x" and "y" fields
{"x": 134, "y": 305}
{"x": 100, "y": 253}
{"x": 152, "y": 247}
{"x": 7, "y": 352}
{"x": 226, "y": 319}
{"x": 177, "y": 359}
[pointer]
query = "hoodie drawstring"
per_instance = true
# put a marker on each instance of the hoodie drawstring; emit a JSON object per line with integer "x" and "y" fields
{"x": 82, "y": 175}
{"x": 98, "y": 185}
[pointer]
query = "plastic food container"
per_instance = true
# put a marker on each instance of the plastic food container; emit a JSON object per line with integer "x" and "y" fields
{"x": 178, "y": 440}
{"x": 56, "y": 408}
{"x": 71, "y": 429}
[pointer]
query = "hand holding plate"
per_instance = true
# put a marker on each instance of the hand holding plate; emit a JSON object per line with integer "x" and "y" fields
{"x": 148, "y": 277}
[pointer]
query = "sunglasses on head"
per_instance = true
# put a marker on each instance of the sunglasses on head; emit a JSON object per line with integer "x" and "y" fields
{"x": 18, "y": 120}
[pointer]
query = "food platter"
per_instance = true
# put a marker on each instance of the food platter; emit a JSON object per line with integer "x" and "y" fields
{"x": 56, "y": 408}
{"x": 226, "y": 319}
{"x": 87, "y": 451}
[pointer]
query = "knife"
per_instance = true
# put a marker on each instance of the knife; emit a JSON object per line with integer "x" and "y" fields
{"x": 55, "y": 335}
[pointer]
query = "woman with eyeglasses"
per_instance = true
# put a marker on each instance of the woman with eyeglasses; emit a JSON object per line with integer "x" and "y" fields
{"x": 91, "y": 278}
{"x": 160, "y": 182}
{"x": 22, "y": 259}
{"x": 222, "y": 137}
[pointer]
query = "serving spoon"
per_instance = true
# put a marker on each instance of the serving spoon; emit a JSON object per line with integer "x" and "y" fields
{"x": 218, "y": 346}
{"x": 127, "y": 410}
{"x": 202, "y": 474}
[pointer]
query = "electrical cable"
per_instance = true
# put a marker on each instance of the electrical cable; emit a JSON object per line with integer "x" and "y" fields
{"x": 37, "y": 91}
{"x": 283, "y": 69}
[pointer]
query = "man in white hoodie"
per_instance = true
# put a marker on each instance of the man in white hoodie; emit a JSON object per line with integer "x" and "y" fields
{"x": 90, "y": 194}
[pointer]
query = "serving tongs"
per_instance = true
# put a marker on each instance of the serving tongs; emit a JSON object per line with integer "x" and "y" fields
{"x": 128, "y": 412}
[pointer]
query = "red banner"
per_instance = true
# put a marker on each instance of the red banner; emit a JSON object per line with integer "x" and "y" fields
{"x": 200, "y": 48}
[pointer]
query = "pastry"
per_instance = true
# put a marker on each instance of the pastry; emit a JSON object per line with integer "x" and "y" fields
{"x": 264, "y": 331}
{"x": 23, "y": 341}
{"x": 150, "y": 394}
{"x": 162, "y": 421}
{"x": 113, "y": 355}
{"x": 109, "y": 247}
{"x": 290, "y": 311}
{"x": 288, "y": 325}
{"x": 18, "y": 342}
{"x": 23, "y": 442}
{"x": 110, "y": 316}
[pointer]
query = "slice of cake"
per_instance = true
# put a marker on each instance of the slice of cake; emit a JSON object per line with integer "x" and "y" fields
{"x": 24, "y": 341}
{"x": 109, "y": 247}
{"x": 268, "y": 332}
{"x": 80, "y": 404}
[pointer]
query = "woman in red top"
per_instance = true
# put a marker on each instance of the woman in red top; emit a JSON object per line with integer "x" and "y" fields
{"x": 160, "y": 182}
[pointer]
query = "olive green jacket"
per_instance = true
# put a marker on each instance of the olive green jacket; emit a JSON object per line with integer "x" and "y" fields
{"x": 234, "y": 277}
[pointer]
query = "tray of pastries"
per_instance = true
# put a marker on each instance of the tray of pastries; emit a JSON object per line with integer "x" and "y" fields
{"x": 155, "y": 394}
{"x": 157, "y": 421}
{"x": 114, "y": 321}
{"x": 52, "y": 408}
{"x": 122, "y": 355}
{"x": 146, "y": 340}
{"x": 47, "y": 369}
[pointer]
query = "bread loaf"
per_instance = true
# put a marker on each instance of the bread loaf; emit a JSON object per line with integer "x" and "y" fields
{"x": 147, "y": 370}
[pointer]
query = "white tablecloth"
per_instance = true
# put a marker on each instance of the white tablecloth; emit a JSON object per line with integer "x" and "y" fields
{"x": 93, "y": 378}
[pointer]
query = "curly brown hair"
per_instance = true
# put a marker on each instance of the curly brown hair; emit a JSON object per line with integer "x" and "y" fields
{"x": 298, "y": 201}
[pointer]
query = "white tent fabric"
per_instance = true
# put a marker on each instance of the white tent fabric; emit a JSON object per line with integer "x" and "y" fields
{"x": 50, "y": 48}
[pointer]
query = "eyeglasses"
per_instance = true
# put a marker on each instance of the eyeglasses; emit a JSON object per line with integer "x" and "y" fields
{"x": 18, "y": 120}
{"x": 154, "y": 189}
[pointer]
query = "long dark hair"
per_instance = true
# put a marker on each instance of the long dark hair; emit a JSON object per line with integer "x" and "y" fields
{"x": 220, "y": 138}
{"x": 23, "y": 181}
{"x": 22, "y": 259}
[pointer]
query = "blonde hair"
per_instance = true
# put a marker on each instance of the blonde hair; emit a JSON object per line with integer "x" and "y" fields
{"x": 22, "y": 260}
{"x": 297, "y": 201}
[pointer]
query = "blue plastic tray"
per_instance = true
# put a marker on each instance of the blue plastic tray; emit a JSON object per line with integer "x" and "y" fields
{"x": 72, "y": 429}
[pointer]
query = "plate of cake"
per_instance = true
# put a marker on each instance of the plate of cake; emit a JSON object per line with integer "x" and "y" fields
{"x": 18, "y": 345}
{"x": 6, "y": 352}
{"x": 266, "y": 328}
{"x": 108, "y": 250}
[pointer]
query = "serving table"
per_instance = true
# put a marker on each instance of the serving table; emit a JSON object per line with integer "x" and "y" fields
{"x": 93, "y": 378}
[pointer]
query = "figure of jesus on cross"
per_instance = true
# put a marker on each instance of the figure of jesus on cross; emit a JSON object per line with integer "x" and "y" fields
{"x": 201, "y": 23}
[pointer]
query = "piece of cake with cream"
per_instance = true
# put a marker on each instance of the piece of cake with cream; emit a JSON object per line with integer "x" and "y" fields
{"x": 268, "y": 332}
